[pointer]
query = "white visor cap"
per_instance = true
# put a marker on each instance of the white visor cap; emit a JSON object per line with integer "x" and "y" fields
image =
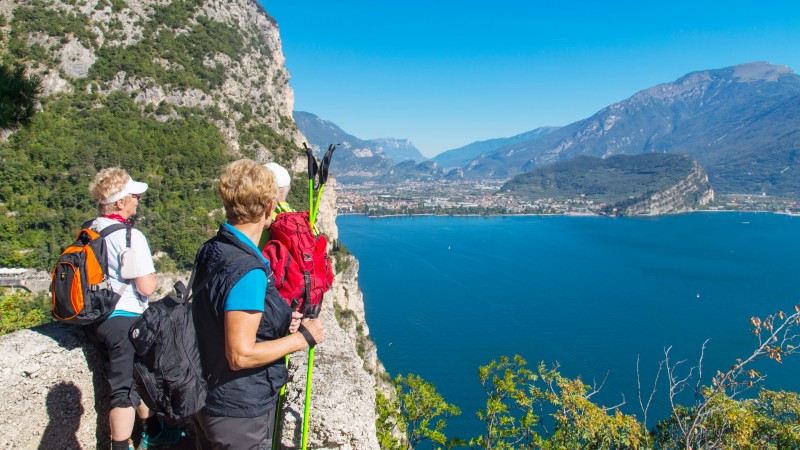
{"x": 131, "y": 187}
{"x": 282, "y": 177}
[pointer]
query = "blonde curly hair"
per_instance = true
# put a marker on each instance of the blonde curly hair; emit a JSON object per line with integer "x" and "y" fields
{"x": 247, "y": 189}
{"x": 106, "y": 183}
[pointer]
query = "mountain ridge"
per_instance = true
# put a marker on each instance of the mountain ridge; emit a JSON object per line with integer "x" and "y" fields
{"x": 357, "y": 159}
{"x": 458, "y": 157}
{"x": 740, "y": 123}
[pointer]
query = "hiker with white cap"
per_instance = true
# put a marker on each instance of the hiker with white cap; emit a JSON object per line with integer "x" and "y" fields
{"x": 283, "y": 180}
{"x": 132, "y": 275}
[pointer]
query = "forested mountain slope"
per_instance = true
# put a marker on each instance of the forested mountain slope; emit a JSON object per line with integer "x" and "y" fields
{"x": 170, "y": 91}
{"x": 649, "y": 183}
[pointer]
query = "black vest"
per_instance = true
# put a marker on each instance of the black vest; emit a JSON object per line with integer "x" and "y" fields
{"x": 241, "y": 393}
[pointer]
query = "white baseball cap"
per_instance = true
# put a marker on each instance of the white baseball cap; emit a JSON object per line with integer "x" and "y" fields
{"x": 131, "y": 187}
{"x": 282, "y": 177}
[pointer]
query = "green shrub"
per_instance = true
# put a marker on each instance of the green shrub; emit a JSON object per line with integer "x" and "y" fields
{"x": 342, "y": 256}
{"x": 389, "y": 419}
{"x": 35, "y": 17}
{"x": 20, "y": 310}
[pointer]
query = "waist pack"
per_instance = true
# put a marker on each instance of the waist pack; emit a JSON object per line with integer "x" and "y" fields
{"x": 80, "y": 290}
{"x": 300, "y": 261}
{"x": 167, "y": 369}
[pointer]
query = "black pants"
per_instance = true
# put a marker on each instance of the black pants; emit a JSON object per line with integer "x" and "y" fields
{"x": 234, "y": 433}
{"x": 111, "y": 335}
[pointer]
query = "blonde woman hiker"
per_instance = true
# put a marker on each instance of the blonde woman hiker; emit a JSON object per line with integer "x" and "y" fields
{"x": 117, "y": 196}
{"x": 244, "y": 327}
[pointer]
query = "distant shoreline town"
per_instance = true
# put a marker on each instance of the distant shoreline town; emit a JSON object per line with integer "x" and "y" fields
{"x": 481, "y": 198}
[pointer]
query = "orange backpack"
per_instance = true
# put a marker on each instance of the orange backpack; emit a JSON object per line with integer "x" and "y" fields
{"x": 80, "y": 290}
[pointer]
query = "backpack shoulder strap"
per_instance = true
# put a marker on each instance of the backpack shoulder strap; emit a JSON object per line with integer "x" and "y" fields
{"x": 110, "y": 229}
{"x": 107, "y": 230}
{"x": 116, "y": 227}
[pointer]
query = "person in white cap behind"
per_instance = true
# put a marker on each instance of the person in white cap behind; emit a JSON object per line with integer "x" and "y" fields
{"x": 283, "y": 180}
{"x": 117, "y": 196}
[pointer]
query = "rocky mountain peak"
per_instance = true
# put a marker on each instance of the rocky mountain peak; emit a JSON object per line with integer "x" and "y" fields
{"x": 697, "y": 84}
{"x": 759, "y": 71}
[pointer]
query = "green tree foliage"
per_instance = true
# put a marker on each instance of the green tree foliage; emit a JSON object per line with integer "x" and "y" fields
{"x": 770, "y": 421}
{"x": 48, "y": 166}
{"x": 284, "y": 150}
{"x": 580, "y": 423}
{"x": 342, "y": 256}
{"x": 424, "y": 410}
{"x": 510, "y": 415}
{"x": 717, "y": 418}
{"x": 542, "y": 409}
{"x": 35, "y": 17}
{"x": 20, "y": 310}
{"x": 389, "y": 419}
{"x": 18, "y": 96}
{"x": 777, "y": 419}
{"x": 518, "y": 399}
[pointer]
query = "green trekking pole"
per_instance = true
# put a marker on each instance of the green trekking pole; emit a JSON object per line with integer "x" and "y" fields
{"x": 307, "y": 408}
{"x": 314, "y": 311}
{"x": 276, "y": 434}
{"x": 312, "y": 173}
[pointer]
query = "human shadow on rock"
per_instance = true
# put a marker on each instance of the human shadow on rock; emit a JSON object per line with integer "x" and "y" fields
{"x": 64, "y": 410}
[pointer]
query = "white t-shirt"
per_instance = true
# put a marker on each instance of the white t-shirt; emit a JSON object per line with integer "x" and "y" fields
{"x": 115, "y": 243}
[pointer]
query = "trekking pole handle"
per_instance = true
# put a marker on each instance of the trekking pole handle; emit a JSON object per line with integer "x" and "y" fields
{"x": 313, "y": 166}
{"x": 326, "y": 162}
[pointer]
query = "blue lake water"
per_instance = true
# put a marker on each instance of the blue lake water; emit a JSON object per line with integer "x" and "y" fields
{"x": 445, "y": 295}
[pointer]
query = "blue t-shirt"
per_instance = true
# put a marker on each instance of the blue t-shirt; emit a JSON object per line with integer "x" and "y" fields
{"x": 248, "y": 293}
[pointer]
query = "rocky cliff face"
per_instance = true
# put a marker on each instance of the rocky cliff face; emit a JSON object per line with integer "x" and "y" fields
{"x": 164, "y": 53}
{"x": 345, "y": 374}
{"x": 687, "y": 195}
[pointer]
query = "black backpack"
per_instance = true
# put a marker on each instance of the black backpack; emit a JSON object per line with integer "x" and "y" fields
{"x": 167, "y": 369}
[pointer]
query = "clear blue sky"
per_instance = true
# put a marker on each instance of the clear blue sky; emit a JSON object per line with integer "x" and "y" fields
{"x": 447, "y": 73}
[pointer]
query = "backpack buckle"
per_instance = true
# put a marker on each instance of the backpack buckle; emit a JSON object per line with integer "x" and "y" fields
{"x": 180, "y": 288}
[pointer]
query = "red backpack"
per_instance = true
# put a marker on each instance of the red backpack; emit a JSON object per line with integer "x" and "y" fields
{"x": 299, "y": 261}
